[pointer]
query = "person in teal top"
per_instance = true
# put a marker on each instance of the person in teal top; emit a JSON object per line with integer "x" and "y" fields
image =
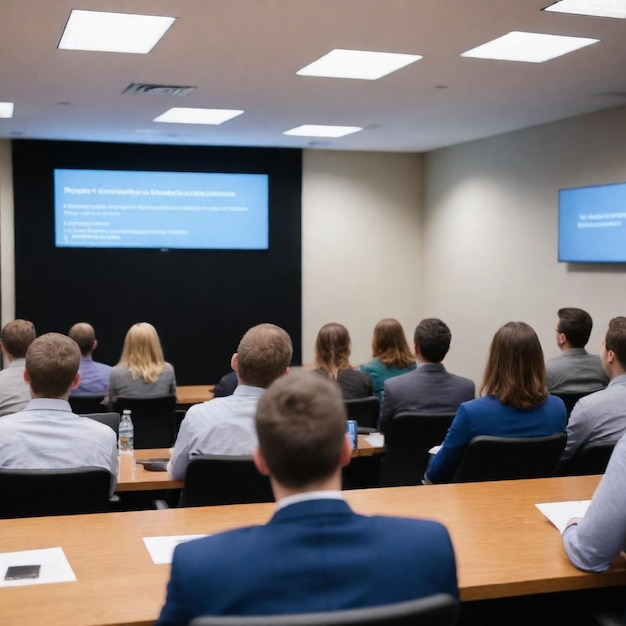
{"x": 391, "y": 353}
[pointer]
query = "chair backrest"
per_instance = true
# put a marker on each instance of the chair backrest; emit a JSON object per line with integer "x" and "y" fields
{"x": 30, "y": 493}
{"x": 364, "y": 410}
{"x": 437, "y": 610}
{"x": 570, "y": 398}
{"x": 409, "y": 437}
{"x": 592, "y": 458}
{"x": 507, "y": 458}
{"x": 87, "y": 403}
{"x": 112, "y": 420}
{"x": 153, "y": 419}
{"x": 218, "y": 479}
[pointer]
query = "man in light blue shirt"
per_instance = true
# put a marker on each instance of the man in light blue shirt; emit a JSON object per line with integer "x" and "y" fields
{"x": 94, "y": 376}
{"x": 15, "y": 338}
{"x": 226, "y": 425}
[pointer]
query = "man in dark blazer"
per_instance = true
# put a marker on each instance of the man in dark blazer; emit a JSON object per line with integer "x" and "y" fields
{"x": 315, "y": 554}
{"x": 429, "y": 388}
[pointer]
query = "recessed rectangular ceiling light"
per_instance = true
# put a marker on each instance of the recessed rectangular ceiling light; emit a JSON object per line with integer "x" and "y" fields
{"x": 319, "y": 130}
{"x": 185, "y": 115}
{"x": 360, "y": 64}
{"x": 528, "y": 47}
{"x": 599, "y": 8}
{"x": 6, "y": 109}
{"x": 113, "y": 32}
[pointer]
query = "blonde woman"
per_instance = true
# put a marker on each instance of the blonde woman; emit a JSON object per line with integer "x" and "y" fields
{"x": 332, "y": 358}
{"x": 391, "y": 353}
{"x": 142, "y": 371}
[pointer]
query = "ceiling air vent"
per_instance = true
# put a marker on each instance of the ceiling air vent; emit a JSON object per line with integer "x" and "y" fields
{"x": 161, "y": 90}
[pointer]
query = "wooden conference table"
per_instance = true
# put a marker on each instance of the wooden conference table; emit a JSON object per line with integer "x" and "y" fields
{"x": 504, "y": 547}
{"x": 138, "y": 478}
{"x": 186, "y": 395}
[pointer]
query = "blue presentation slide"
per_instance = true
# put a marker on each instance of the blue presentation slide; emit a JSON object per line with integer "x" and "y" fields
{"x": 131, "y": 209}
{"x": 592, "y": 224}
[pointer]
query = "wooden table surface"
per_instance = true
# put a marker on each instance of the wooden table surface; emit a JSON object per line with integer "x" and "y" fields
{"x": 186, "y": 395}
{"x": 138, "y": 478}
{"x": 504, "y": 547}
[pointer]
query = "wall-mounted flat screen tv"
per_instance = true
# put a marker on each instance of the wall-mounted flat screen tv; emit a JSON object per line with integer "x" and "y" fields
{"x": 592, "y": 224}
{"x": 136, "y": 209}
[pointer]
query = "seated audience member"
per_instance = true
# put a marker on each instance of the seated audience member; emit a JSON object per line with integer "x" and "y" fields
{"x": 332, "y": 359}
{"x": 392, "y": 356}
{"x": 142, "y": 370}
{"x": 46, "y": 434}
{"x": 226, "y": 386}
{"x": 15, "y": 338}
{"x": 593, "y": 542}
{"x": 515, "y": 400}
{"x": 575, "y": 370}
{"x": 315, "y": 554}
{"x": 226, "y": 425}
{"x": 94, "y": 376}
{"x": 430, "y": 388}
{"x": 601, "y": 416}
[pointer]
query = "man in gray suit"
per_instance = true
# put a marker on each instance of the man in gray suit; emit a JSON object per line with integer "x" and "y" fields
{"x": 429, "y": 388}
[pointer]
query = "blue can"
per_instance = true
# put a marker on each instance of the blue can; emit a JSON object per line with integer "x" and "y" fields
{"x": 353, "y": 431}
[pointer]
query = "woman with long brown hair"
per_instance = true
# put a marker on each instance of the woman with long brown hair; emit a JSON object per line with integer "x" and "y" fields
{"x": 514, "y": 402}
{"x": 391, "y": 353}
{"x": 332, "y": 358}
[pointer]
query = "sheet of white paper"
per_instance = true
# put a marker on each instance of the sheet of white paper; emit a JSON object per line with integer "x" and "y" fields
{"x": 376, "y": 440}
{"x": 434, "y": 450}
{"x": 161, "y": 549}
{"x": 55, "y": 567}
{"x": 559, "y": 513}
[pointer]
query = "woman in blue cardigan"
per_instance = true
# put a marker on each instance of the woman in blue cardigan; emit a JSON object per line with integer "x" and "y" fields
{"x": 514, "y": 402}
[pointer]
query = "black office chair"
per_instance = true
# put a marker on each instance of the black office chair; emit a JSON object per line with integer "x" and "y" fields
{"x": 87, "y": 403}
{"x": 506, "y": 458}
{"x": 217, "y": 479}
{"x": 592, "y": 458}
{"x": 35, "y": 493}
{"x": 408, "y": 439}
{"x": 154, "y": 419}
{"x": 365, "y": 411}
{"x": 570, "y": 398}
{"x": 112, "y": 420}
{"x": 437, "y": 610}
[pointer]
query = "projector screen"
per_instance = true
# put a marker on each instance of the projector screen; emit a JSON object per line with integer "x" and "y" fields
{"x": 592, "y": 224}
{"x": 184, "y": 210}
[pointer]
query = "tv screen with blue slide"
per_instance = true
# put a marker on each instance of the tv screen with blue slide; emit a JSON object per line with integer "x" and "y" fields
{"x": 166, "y": 210}
{"x": 592, "y": 224}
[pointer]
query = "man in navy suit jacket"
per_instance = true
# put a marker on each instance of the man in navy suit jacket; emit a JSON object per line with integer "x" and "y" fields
{"x": 429, "y": 388}
{"x": 315, "y": 554}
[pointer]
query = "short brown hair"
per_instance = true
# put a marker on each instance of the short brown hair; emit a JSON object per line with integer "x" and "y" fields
{"x": 301, "y": 426}
{"x": 389, "y": 344}
{"x": 263, "y": 354}
{"x": 432, "y": 337}
{"x": 515, "y": 372}
{"x": 332, "y": 349}
{"x": 16, "y": 336}
{"x": 84, "y": 335}
{"x": 576, "y": 325}
{"x": 52, "y": 361}
{"x": 615, "y": 339}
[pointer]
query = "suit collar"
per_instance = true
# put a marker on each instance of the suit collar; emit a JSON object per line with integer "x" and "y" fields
{"x": 431, "y": 367}
{"x": 311, "y": 508}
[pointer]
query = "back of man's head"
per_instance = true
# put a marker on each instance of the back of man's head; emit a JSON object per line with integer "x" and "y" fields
{"x": 84, "y": 335}
{"x": 16, "y": 336}
{"x": 301, "y": 426}
{"x": 432, "y": 338}
{"x": 263, "y": 354}
{"x": 615, "y": 339}
{"x": 576, "y": 325}
{"x": 52, "y": 361}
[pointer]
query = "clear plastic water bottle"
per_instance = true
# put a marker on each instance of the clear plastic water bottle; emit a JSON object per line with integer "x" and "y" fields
{"x": 126, "y": 434}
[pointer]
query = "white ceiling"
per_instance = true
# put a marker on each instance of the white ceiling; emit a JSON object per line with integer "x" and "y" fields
{"x": 244, "y": 54}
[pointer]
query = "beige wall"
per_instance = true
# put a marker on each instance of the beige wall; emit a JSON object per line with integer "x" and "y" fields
{"x": 7, "y": 245}
{"x": 490, "y": 233}
{"x": 360, "y": 244}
